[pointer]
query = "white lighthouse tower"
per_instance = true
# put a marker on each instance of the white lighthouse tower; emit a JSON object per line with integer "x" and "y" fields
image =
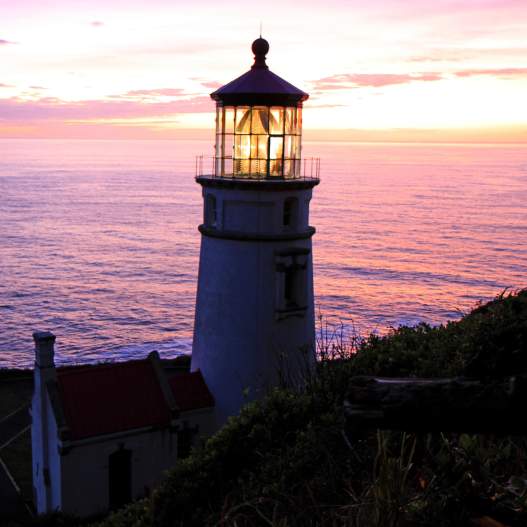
{"x": 254, "y": 322}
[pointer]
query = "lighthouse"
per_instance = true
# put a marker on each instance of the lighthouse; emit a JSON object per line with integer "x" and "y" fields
{"x": 254, "y": 322}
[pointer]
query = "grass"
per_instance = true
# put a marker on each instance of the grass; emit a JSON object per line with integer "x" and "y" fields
{"x": 15, "y": 391}
{"x": 17, "y": 457}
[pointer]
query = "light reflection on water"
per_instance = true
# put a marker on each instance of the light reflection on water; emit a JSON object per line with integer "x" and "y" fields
{"x": 98, "y": 239}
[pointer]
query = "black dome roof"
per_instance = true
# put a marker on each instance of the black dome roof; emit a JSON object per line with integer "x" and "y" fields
{"x": 259, "y": 85}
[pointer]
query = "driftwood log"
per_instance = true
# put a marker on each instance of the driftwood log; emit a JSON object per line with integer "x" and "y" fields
{"x": 437, "y": 405}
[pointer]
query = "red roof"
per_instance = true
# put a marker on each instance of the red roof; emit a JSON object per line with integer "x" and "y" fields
{"x": 113, "y": 398}
{"x": 190, "y": 391}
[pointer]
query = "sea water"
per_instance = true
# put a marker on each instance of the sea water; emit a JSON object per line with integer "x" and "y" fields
{"x": 99, "y": 240}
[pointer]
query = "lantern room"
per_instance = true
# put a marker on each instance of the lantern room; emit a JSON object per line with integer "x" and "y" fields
{"x": 258, "y": 124}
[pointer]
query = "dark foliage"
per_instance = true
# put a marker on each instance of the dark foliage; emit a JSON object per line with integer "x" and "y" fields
{"x": 286, "y": 462}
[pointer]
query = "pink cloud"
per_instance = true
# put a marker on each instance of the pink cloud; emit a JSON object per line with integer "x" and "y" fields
{"x": 96, "y": 23}
{"x": 158, "y": 92}
{"x": 4, "y": 42}
{"x": 466, "y": 53}
{"x": 212, "y": 85}
{"x": 2, "y": 85}
{"x": 50, "y": 108}
{"x": 371, "y": 80}
{"x": 497, "y": 72}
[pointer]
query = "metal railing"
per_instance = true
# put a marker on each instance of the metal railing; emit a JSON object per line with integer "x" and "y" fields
{"x": 303, "y": 169}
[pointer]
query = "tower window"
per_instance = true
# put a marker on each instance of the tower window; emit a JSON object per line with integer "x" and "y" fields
{"x": 290, "y": 294}
{"x": 291, "y": 284}
{"x": 211, "y": 216}
{"x": 290, "y": 212}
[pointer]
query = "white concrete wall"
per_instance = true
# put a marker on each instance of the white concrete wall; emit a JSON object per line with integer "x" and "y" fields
{"x": 250, "y": 211}
{"x": 54, "y": 461}
{"x": 204, "y": 419}
{"x": 37, "y": 447}
{"x": 85, "y": 470}
{"x": 240, "y": 339}
{"x": 44, "y": 446}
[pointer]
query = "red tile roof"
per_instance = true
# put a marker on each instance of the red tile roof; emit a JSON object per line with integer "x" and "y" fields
{"x": 190, "y": 391}
{"x": 113, "y": 398}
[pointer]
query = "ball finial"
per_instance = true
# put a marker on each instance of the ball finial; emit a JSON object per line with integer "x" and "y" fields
{"x": 260, "y": 48}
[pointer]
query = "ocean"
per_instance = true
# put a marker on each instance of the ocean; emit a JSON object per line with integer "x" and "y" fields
{"x": 99, "y": 240}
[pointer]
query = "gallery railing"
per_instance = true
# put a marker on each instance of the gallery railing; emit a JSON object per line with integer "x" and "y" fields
{"x": 289, "y": 169}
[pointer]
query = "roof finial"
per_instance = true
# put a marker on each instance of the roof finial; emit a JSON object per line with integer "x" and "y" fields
{"x": 260, "y": 49}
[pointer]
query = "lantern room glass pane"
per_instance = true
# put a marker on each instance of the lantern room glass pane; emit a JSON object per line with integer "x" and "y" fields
{"x": 260, "y": 120}
{"x": 276, "y": 120}
{"x": 243, "y": 120}
{"x": 228, "y": 142}
{"x": 288, "y": 168}
{"x": 298, "y": 121}
{"x": 254, "y": 146}
{"x": 290, "y": 121}
{"x": 289, "y": 147}
{"x": 219, "y": 119}
{"x": 217, "y": 146}
{"x": 258, "y": 167}
{"x": 261, "y": 167}
{"x": 262, "y": 146}
{"x": 298, "y": 141}
{"x": 276, "y": 146}
{"x": 275, "y": 167}
{"x": 228, "y": 126}
{"x": 241, "y": 167}
{"x": 298, "y": 168}
{"x": 227, "y": 167}
{"x": 242, "y": 147}
{"x": 258, "y": 141}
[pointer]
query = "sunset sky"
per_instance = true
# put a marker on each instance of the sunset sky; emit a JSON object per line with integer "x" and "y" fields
{"x": 390, "y": 69}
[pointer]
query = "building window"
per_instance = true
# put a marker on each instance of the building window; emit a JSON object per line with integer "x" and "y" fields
{"x": 47, "y": 477}
{"x": 290, "y": 293}
{"x": 290, "y": 212}
{"x": 211, "y": 211}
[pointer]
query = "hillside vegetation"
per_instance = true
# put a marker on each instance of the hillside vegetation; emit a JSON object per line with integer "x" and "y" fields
{"x": 285, "y": 461}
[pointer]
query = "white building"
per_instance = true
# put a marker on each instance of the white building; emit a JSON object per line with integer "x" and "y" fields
{"x": 254, "y": 322}
{"x": 104, "y": 435}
